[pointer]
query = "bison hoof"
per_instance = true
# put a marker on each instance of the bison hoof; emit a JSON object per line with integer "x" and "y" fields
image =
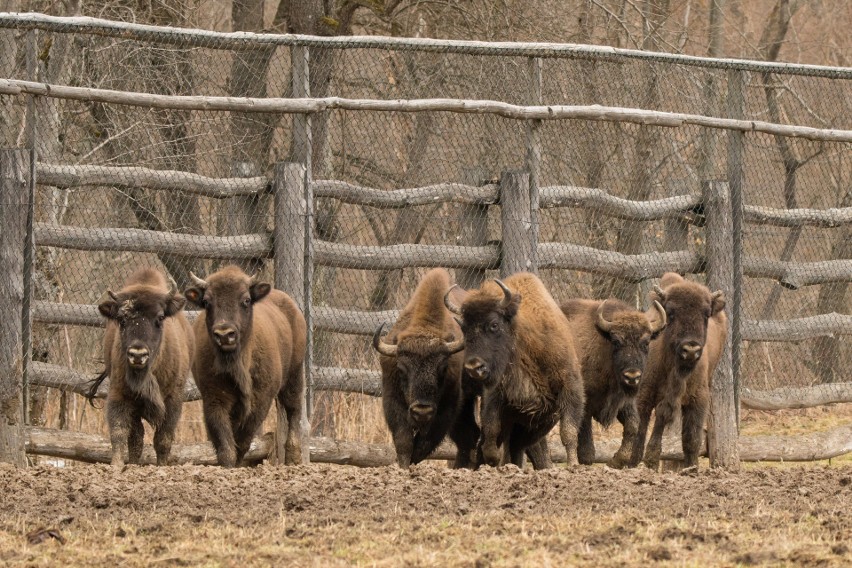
{"x": 690, "y": 470}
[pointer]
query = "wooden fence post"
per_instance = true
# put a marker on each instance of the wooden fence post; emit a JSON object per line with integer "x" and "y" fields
{"x": 722, "y": 422}
{"x": 290, "y": 247}
{"x": 14, "y": 204}
{"x": 736, "y": 78}
{"x": 473, "y": 230}
{"x": 518, "y": 252}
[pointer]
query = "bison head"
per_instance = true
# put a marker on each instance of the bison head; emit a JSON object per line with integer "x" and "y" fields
{"x": 227, "y": 298}
{"x": 139, "y": 312}
{"x": 422, "y": 367}
{"x": 689, "y": 306}
{"x": 629, "y": 333}
{"x": 487, "y": 328}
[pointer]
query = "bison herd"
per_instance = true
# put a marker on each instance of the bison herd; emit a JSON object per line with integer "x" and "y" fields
{"x": 506, "y": 349}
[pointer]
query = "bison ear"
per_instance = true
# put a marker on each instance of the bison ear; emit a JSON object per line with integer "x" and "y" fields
{"x": 109, "y": 309}
{"x": 174, "y": 304}
{"x": 717, "y": 302}
{"x": 194, "y": 295}
{"x": 259, "y": 290}
{"x": 511, "y": 310}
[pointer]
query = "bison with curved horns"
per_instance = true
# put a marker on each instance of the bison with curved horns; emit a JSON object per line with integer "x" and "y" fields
{"x": 612, "y": 341}
{"x": 519, "y": 345}
{"x": 680, "y": 366}
{"x": 148, "y": 347}
{"x": 423, "y": 393}
{"x": 251, "y": 345}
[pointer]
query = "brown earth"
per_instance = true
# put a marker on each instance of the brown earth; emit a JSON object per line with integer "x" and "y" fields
{"x": 321, "y": 515}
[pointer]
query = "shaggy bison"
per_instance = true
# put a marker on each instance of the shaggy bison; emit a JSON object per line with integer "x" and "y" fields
{"x": 251, "y": 345}
{"x": 519, "y": 345}
{"x": 612, "y": 341}
{"x": 680, "y": 365}
{"x": 422, "y": 392}
{"x": 148, "y": 347}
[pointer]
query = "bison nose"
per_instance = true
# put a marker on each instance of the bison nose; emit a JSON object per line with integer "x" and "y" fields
{"x": 476, "y": 368}
{"x": 225, "y": 336}
{"x": 137, "y": 356}
{"x": 632, "y": 376}
{"x": 690, "y": 350}
{"x": 421, "y": 412}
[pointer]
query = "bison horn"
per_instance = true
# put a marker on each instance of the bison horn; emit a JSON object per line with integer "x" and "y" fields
{"x": 507, "y": 294}
{"x": 660, "y": 292}
{"x": 112, "y": 295}
{"x": 197, "y": 281}
{"x": 716, "y": 295}
{"x": 381, "y": 346}
{"x": 173, "y": 287}
{"x": 659, "y": 324}
{"x": 454, "y": 346}
{"x": 450, "y": 304}
{"x": 603, "y": 324}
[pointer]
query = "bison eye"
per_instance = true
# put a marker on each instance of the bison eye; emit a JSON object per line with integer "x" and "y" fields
{"x": 494, "y": 326}
{"x": 246, "y": 302}
{"x": 159, "y": 321}
{"x": 122, "y": 323}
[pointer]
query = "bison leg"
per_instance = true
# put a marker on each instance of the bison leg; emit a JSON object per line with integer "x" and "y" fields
{"x": 165, "y": 434}
{"x": 692, "y": 427}
{"x": 643, "y": 410}
{"x": 586, "y": 442}
{"x": 135, "y": 440}
{"x": 663, "y": 417}
{"x": 571, "y": 402}
{"x": 539, "y": 454}
{"x": 291, "y": 398}
{"x": 465, "y": 434}
{"x": 119, "y": 414}
{"x": 403, "y": 442}
{"x": 245, "y": 431}
{"x": 491, "y": 418}
{"x": 629, "y": 418}
{"x": 217, "y": 420}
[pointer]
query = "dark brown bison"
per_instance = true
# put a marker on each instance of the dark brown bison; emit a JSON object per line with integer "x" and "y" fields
{"x": 148, "y": 347}
{"x": 519, "y": 345}
{"x": 612, "y": 341}
{"x": 423, "y": 395}
{"x": 680, "y": 365}
{"x": 251, "y": 345}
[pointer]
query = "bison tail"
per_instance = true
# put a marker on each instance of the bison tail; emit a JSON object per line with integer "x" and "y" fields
{"x": 94, "y": 385}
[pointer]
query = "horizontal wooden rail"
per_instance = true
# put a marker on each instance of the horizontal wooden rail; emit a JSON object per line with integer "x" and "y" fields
{"x": 403, "y": 256}
{"x": 400, "y": 198}
{"x": 796, "y": 397}
{"x": 834, "y": 217}
{"x": 464, "y": 106}
{"x": 343, "y": 379}
{"x": 608, "y": 204}
{"x": 795, "y": 275}
{"x": 350, "y": 321}
{"x": 633, "y": 268}
{"x": 797, "y": 329}
{"x": 141, "y": 240}
{"x": 147, "y": 178}
{"x": 92, "y": 448}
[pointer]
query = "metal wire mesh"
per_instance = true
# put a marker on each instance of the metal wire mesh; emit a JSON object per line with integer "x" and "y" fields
{"x": 395, "y": 150}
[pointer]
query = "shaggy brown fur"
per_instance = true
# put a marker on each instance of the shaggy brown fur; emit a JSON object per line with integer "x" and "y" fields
{"x": 521, "y": 347}
{"x": 612, "y": 361}
{"x": 148, "y": 346}
{"x": 680, "y": 366}
{"x": 251, "y": 346}
{"x": 422, "y": 392}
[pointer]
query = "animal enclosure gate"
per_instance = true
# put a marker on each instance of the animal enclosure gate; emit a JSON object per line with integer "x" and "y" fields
{"x": 533, "y": 158}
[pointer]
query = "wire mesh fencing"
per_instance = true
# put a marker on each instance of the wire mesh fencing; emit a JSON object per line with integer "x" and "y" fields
{"x": 188, "y": 189}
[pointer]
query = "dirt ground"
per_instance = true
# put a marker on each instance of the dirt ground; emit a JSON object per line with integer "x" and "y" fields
{"x": 321, "y": 515}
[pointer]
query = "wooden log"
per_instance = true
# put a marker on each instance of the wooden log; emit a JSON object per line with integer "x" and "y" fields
{"x": 796, "y": 397}
{"x": 65, "y": 176}
{"x": 834, "y": 217}
{"x": 735, "y": 168}
{"x": 518, "y": 252}
{"x": 71, "y": 380}
{"x": 604, "y": 202}
{"x": 498, "y": 108}
{"x": 722, "y": 430}
{"x": 14, "y": 205}
{"x": 351, "y": 321}
{"x": 92, "y": 448}
{"x": 797, "y": 329}
{"x": 633, "y": 268}
{"x": 795, "y": 275}
{"x": 400, "y": 198}
{"x": 403, "y": 256}
{"x": 141, "y": 240}
{"x": 342, "y": 379}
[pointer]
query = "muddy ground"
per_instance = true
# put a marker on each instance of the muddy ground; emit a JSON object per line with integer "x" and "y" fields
{"x": 320, "y": 515}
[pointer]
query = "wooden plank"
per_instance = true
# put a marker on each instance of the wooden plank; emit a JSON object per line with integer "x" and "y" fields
{"x": 796, "y": 397}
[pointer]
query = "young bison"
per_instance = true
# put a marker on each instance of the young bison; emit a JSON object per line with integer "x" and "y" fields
{"x": 519, "y": 346}
{"x": 251, "y": 345}
{"x": 423, "y": 395}
{"x": 612, "y": 342}
{"x": 148, "y": 346}
{"x": 680, "y": 366}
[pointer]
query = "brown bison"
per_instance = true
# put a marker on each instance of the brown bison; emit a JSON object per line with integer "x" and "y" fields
{"x": 423, "y": 395}
{"x": 148, "y": 347}
{"x": 612, "y": 341}
{"x": 251, "y": 345}
{"x": 519, "y": 345}
{"x": 680, "y": 366}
